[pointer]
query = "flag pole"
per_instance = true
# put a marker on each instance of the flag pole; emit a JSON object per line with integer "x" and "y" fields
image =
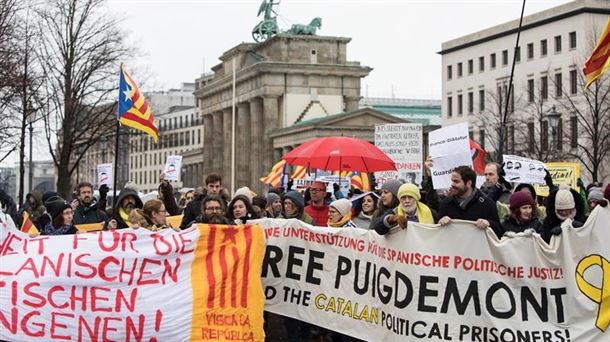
{"x": 116, "y": 142}
{"x": 233, "y": 132}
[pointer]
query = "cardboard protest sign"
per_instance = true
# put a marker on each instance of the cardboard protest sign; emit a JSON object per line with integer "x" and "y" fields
{"x": 403, "y": 144}
{"x": 173, "y": 164}
{"x": 449, "y": 147}
{"x": 523, "y": 170}
{"x": 419, "y": 284}
{"x": 561, "y": 173}
{"x": 104, "y": 175}
{"x": 199, "y": 284}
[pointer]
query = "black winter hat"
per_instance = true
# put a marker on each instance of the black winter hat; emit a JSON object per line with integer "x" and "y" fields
{"x": 50, "y": 195}
{"x": 56, "y": 207}
{"x": 296, "y": 198}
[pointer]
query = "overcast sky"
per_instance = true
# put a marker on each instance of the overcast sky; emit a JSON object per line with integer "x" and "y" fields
{"x": 177, "y": 40}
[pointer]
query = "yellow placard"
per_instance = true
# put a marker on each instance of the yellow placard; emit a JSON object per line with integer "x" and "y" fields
{"x": 561, "y": 173}
{"x": 90, "y": 227}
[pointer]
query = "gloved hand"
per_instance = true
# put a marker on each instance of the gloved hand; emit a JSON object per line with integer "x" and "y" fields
{"x": 397, "y": 220}
{"x": 548, "y": 179}
{"x": 104, "y": 190}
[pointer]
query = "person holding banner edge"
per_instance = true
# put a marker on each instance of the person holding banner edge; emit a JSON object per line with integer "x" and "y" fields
{"x": 409, "y": 209}
{"x": 466, "y": 202}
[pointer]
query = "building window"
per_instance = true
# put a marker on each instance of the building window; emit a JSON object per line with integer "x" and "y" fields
{"x": 543, "y": 48}
{"x": 449, "y": 106}
{"x": 482, "y": 138}
{"x": 449, "y": 72}
{"x": 518, "y": 54}
{"x": 557, "y": 44}
{"x": 560, "y": 135}
{"x": 481, "y": 99}
{"x": 573, "y": 40}
{"x": 558, "y": 85}
{"x": 545, "y": 136}
{"x": 470, "y": 66}
{"x": 199, "y": 136}
{"x": 530, "y": 51}
{"x": 459, "y": 71}
{"x": 573, "y": 82}
{"x": 504, "y": 57}
{"x": 459, "y": 104}
{"x": 188, "y": 138}
{"x": 492, "y": 60}
{"x": 574, "y": 132}
{"x": 530, "y": 90}
{"x": 544, "y": 87}
{"x": 481, "y": 64}
{"x": 470, "y": 102}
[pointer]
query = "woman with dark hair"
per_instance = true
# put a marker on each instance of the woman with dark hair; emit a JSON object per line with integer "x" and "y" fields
{"x": 388, "y": 200}
{"x": 522, "y": 213}
{"x": 61, "y": 218}
{"x": 240, "y": 210}
{"x": 364, "y": 209}
{"x": 152, "y": 216}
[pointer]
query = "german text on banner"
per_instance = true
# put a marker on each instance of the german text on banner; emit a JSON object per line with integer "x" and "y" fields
{"x": 454, "y": 283}
{"x": 199, "y": 284}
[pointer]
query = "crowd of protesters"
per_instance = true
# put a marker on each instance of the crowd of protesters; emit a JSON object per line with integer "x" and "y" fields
{"x": 497, "y": 205}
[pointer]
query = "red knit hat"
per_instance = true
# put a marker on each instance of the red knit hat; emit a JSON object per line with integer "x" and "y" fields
{"x": 519, "y": 199}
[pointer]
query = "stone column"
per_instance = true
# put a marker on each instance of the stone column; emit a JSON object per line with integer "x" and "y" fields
{"x": 243, "y": 145}
{"x": 256, "y": 153}
{"x": 217, "y": 142}
{"x": 226, "y": 163}
{"x": 207, "y": 143}
{"x": 271, "y": 119}
{"x": 351, "y": 103}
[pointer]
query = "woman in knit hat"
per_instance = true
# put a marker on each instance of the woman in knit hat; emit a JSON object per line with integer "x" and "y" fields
{"x": 61, "y": 218}
{"x": 562, "y": 204}
{"x": 293, "y": 206}
{"x": 388, "y": 199}
{"x": 409, "y": 209}
{"x": 364, "y": 208}
{"x": 152, "y": 216}
{"x": 522, "y": 213}
{"x": 274, "y": 205}
{"x": 340, "y": 214}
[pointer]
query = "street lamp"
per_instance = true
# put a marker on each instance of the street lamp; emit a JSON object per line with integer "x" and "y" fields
{"x": 103, "y": 147}
{"x": 553, "y": 118}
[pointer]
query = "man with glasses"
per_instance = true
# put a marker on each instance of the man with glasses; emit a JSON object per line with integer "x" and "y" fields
{"x": 213, "y": 209}
{"x": 317, "y": 208}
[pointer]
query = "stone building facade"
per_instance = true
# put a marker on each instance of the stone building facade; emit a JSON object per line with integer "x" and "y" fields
{"x": 278, "y": 83}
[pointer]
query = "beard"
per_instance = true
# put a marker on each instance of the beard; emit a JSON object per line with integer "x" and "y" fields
{"x": 213, "y": 219}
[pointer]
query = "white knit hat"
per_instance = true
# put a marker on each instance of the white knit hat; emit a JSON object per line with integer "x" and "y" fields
{"x": 564, "y": 199}
{"x": 342, "y": 205}
{"x": 245, "y": 191}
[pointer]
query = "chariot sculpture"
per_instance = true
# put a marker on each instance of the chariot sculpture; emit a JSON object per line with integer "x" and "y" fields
{"x": 268, "y": 27}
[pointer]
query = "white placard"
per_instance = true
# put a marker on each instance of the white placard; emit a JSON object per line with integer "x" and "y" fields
{"x": 523, "y": 170}
{"x": 172, "y": 168}
{"x": 104, "y": 174}
{"x": 449, "y": 147}
{"x": 403, "y": 144}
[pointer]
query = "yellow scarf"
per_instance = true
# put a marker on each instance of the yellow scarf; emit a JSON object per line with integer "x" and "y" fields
{"x": 341, "y": 222}
{"x": 424, "y": 214}
{"x": 124, "y": 216}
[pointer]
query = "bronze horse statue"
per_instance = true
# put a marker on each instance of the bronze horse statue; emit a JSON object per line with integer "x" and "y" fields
{"x": 309, "y": 30}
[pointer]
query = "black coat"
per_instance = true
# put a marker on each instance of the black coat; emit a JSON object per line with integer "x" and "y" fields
{"x": 88, "y": 214}
{"x": 552, "y": 224}
{"x": 479, "y": 207}
{"x": 511, "y": 225}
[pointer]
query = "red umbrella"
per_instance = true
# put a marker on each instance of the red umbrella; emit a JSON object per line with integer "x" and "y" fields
{"x": 340, "y": 154}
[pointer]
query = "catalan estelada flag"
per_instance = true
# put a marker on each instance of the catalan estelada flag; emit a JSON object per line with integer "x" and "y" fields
{"x": 360, "y": 180}
{"x": 27, "y": 226}
{"x": 599, "y": 62}
{"x": 134, "y": 111}
{"x": 299, "y": 172}
{"x": 274, "y": 178}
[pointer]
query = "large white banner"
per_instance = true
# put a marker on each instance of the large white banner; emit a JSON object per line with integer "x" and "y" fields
{"x": 403, "y": 144}
{"x": 454, "y": 283}
{"x": 449, "y": 147}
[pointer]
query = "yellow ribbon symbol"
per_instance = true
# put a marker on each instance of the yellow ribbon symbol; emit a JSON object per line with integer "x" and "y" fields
{"x": 601, "y": 295}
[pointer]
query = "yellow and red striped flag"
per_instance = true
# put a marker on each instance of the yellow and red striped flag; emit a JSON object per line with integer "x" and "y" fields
{"x": 133, "y": 110}
{"x": 342, "y": 174}
{"x": 599, "y": 62}
{"x": 360, "y": 180}
{"x": 274, "y": 178}
{"x": 27, "y": 226}
{"x": 299, "y": 172}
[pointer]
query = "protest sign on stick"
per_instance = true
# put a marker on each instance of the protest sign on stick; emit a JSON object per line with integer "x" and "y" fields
{"x": 173, "y": 164}
{"x": 449, "y": 147}
{"x": 403, "y": 144}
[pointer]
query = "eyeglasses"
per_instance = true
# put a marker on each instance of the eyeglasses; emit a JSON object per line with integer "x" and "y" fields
{"x": 315, "y": 190}
{"x": 213, "y": 209}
